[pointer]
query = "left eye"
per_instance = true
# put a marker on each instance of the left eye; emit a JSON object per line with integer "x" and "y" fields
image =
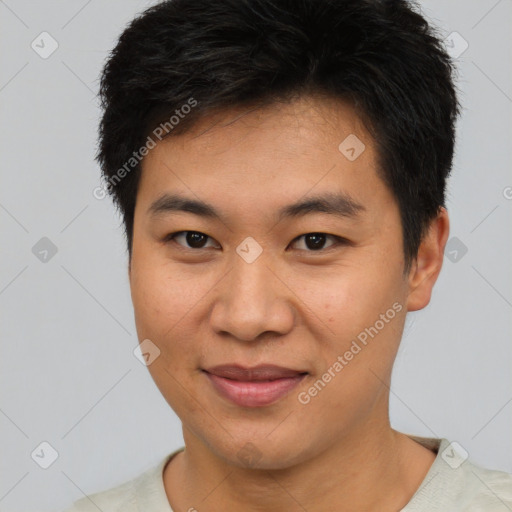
{"x": 194, "y": 239}
{"x": 316, "y": 241}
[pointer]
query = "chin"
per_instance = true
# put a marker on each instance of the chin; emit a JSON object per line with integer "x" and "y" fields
{"x": 261, "y": 453}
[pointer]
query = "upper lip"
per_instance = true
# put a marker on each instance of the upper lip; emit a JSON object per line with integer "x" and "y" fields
{"x": 255, "y": 373}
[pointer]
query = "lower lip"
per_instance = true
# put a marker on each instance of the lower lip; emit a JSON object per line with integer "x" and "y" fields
{"x": 254, "y": 394}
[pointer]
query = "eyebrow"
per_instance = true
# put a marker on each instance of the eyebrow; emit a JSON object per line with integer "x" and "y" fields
{"x": 338, "y": 204}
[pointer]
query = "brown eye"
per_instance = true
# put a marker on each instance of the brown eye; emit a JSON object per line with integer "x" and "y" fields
{"x": 190, "y": 239}
{"x": 316, "y": 241}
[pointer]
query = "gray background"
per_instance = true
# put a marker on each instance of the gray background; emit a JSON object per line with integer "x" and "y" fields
{"x": 68, "y": 373}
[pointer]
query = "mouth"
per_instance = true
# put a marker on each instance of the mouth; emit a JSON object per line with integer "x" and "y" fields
{"x": 253, "y": 387}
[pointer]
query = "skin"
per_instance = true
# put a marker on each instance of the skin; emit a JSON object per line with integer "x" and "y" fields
{"x": 293, "y": 306}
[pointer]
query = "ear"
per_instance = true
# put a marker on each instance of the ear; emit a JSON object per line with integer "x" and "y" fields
{"x": 425, "y": 269}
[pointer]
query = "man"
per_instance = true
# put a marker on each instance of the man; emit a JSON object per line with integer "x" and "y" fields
{"x": 280, "y": 167}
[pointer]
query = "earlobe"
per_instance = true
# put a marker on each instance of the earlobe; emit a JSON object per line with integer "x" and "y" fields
{"x": 427, "y": 266}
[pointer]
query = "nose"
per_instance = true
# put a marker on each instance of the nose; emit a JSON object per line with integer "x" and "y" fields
{"x": 251, "y": 302}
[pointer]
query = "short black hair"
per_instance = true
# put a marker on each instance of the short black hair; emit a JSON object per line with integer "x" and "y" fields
{"x": 181, "y": 60}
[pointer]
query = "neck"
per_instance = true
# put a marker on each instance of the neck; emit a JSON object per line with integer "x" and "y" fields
{"x": 372, "y": 468}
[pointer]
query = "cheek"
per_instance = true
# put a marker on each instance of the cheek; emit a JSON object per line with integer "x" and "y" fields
{"x": 346, "y": 301}
{"x": 164, "y": 299}
{"x": 166, "y": 309}
{"x": 357, "y": 347}
{"x": 350, "y": 305}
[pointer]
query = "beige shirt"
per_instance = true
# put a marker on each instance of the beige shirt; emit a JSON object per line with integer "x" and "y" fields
{"x": 452, "y": 484}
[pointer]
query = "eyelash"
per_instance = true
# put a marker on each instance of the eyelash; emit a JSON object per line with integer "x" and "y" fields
{"x": 338, "y": 240}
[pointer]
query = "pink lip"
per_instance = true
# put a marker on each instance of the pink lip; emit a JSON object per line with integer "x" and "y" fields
{"x": 253, "y": 387}
{"x": 254, "y": 393}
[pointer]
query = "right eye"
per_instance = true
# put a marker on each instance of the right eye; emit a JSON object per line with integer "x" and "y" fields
{"x": 194, "y": 239}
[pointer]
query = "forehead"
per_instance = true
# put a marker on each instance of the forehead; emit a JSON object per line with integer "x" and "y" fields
{"x": 266, "y": 157}
{"x": 289, "y": 128}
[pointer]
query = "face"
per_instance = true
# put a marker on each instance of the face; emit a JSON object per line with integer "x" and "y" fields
{"x": 273, "y": 247}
